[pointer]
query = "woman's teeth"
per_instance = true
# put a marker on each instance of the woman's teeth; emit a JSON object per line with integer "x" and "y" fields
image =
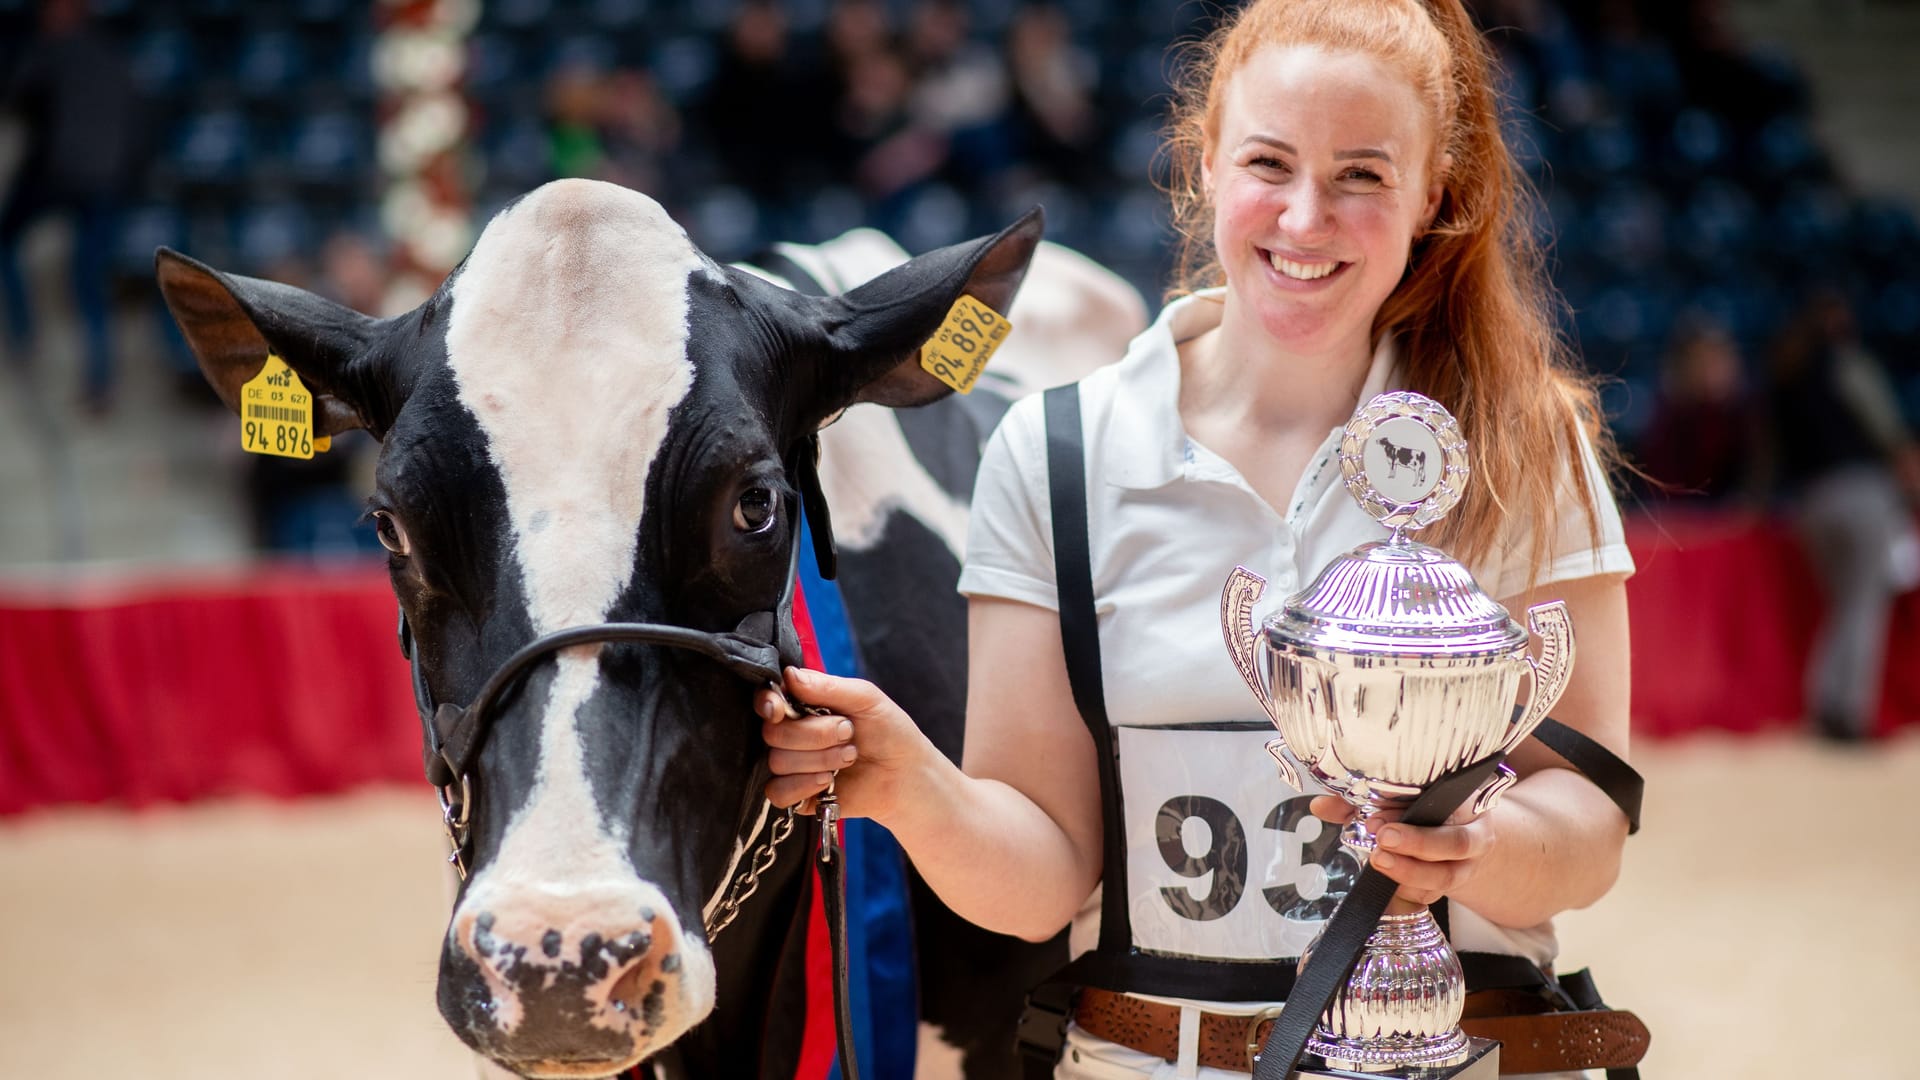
{"x": 1302, "y": 271}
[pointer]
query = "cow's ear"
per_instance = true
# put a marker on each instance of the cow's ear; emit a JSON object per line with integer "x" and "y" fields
{"x": 233, "y": 322}
{"x": 876, "y": 330}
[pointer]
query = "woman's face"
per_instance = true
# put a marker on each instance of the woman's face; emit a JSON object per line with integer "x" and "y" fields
{"x": 1320, "y": 179}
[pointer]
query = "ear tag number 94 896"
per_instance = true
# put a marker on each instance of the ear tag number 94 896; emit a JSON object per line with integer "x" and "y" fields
{"x": 276, "y": 414}
{"x": 958, "y": 351}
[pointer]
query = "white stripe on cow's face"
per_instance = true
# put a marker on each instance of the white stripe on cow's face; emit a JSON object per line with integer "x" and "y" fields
{"x": 568, "y": 342}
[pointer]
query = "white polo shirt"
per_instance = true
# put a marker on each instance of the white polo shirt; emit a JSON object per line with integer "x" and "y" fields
{"x": 1167, "y": 520}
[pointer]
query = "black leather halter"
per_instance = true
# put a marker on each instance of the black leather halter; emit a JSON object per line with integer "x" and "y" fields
{"x": 758, "y": 651}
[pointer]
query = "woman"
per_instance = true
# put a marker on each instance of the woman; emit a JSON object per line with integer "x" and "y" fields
{"x": 1340, "y": 175}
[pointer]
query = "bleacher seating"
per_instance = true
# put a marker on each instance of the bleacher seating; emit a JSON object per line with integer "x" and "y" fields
{"x": 1677, "y": 181}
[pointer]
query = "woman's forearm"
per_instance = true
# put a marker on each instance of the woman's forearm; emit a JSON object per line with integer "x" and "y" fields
{"x": 991, "y": 854}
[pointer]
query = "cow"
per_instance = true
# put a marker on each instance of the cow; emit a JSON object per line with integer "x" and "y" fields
{"x": 592, "y": 421}
{"x": 1399, "y": 457}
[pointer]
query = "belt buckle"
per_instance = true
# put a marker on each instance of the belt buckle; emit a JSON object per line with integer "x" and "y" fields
{"x": 1271, "y": 1012}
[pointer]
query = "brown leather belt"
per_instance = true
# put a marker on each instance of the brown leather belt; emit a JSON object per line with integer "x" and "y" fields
{"x": 1531, "y": 1043}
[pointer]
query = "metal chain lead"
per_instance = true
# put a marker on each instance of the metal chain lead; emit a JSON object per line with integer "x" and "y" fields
{"x": 748, "y": 880}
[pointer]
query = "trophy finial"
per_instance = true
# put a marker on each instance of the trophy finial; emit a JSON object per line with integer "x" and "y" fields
{"x": 1404, "y": 461}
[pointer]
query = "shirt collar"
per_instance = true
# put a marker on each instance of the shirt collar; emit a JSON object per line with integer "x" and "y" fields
{"x": 1145, "y": 445}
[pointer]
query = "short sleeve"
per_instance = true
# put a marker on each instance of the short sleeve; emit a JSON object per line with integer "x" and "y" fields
{"x": 1010, "y": 528}
{"x": 1573, "y": 553}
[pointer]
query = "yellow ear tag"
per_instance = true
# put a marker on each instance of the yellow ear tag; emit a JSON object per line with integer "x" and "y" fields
{"x": 276, "y": 413}
{"x": 958, "y": 352}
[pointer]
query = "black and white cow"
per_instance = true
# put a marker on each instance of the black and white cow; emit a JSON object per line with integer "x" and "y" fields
{"x": 1404, "y": 457}
{"x": 591, "y": 421}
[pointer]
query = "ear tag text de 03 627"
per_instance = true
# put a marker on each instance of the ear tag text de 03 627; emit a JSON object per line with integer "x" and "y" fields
{"x": 276, "y": 413}
{"x": 958, "y": 352}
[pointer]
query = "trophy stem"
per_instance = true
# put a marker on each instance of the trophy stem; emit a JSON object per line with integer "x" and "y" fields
{"x": 1400, "y": 1009}
{"x": 1355, "y": 835}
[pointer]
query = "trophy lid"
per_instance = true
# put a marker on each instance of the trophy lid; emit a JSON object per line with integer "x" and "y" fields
{"x": 1405, "y": 462}
{"x": 1396, "y": 598}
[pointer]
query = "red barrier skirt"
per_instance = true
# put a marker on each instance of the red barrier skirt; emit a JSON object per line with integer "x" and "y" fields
{"x": 288, "y": 680}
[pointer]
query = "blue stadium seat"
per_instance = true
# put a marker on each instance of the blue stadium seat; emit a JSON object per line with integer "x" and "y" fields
{"x": 212, "y": 146}
{"x": 496, "y": 64}
{"x": 831, "y": 211}
{"x": 617, "y": 16}
{"x": 1606, "y": 147}
{"x": 1699, "y": 139}
{"x": 270, "y": 64}
{"x": 143, "y": 228}
{"x": 517, "y": 14}
{"x": 684, "y": 65}
{"x": 1811, "y": 220}
{"x": 726, "y": 222}
{"x": 1628, "y": 226}
{"x": 593, "y": 52}
{"x": 332, "y": 147}
{"x": 272, "y": 233}
{"x": 1895, "y": 312}
{"x": 518, "y": 157}
{"x": 1784, "y": 149}
{"x": 162, "y": 60}
{"x": 1715, "y": 225}
{"x": 935, "y": 216}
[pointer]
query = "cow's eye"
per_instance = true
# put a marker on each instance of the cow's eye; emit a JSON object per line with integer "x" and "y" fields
{"x": 392, "y": 536}
{"x": 754, "y": 512}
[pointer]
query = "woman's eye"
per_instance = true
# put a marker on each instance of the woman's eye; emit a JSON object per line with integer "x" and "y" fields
{"x": 1362, "y": 176}
{"x": 392, "y": 536}
{"x": 754, "y": 512}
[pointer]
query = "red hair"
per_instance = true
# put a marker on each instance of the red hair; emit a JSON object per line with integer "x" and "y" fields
{"x": 1474, "y": 316}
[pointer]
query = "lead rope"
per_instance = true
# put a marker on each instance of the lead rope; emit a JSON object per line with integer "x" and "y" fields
{"x": 735, "y": 889}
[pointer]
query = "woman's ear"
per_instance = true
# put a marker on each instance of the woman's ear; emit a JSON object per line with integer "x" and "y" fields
{"x": 1436, "y": 190}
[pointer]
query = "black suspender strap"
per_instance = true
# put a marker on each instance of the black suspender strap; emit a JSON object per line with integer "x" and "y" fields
{"x": 1080, "y": 636}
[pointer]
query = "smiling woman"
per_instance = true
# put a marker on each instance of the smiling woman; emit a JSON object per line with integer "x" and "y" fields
{"x": 1353, "y": 224}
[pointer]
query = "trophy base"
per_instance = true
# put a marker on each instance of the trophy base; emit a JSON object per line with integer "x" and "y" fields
{"x": 1482, "y": 1063}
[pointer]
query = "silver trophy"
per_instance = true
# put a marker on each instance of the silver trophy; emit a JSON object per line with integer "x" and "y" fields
{"x": 1390, "y": 671}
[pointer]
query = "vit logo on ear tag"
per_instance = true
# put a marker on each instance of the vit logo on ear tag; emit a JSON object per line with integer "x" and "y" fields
{"x": 276, "y": 413}
{"x": 958, "y": 352}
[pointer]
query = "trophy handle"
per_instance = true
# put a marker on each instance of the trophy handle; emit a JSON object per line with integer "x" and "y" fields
{"x": 1552, "y": 625}
{"x": 1236, "y": 625}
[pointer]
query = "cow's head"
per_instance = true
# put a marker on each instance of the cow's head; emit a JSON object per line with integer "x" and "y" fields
{"x": 591, "y": 421}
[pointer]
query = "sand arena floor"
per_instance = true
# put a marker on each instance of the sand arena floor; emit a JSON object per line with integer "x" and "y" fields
{"x": 287, "y": 941}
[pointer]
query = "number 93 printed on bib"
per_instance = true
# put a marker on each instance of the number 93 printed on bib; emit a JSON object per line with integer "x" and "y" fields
{"x": 1224, "y": 860}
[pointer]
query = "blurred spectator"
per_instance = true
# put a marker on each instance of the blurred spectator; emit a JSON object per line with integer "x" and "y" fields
{"x": 1701, "y": 441}
{"x": 890, "y": 153}
{"x": 573, "y": 114}
{"x": 764, "y": 108}
{"x": 960, "y": 92}
{"x": 1057, "y": 126}
{"x": 856, "y": 28}
{"x": 640, "y": 134}
{"x": 77, "y": 105}
{"x": 1842, "y": 450}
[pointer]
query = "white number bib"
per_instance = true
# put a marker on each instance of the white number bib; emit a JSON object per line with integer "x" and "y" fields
{"x": 1224, "y": 860}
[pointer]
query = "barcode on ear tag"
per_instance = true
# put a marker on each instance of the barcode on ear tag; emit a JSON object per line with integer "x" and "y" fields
{"x": 276, "y": 414}
{"x": 958, "y": 352}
